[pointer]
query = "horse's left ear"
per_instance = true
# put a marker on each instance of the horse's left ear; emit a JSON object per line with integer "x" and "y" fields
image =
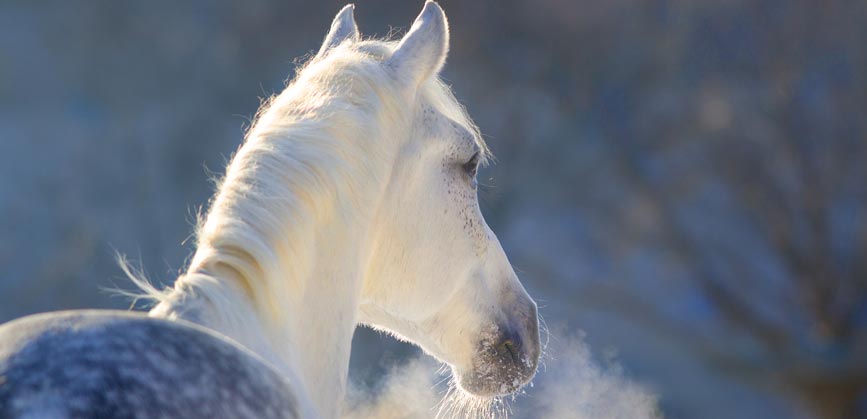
{"x": 422, "y": 52}
{"x": 343, "y": 28}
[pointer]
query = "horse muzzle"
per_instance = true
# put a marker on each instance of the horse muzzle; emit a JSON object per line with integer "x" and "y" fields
{"x": 507, "y": 356}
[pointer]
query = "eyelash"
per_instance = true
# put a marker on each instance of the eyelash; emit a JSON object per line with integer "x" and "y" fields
{"x": 471, "y": 167}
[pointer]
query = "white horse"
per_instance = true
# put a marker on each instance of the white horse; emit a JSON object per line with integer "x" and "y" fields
{"x": 352, "y": 201}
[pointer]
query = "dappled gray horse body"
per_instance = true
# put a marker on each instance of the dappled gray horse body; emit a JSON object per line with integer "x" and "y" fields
{"x": 105, "y": 364}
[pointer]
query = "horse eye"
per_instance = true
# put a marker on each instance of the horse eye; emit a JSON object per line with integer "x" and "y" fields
{"x": 472, "y": 166}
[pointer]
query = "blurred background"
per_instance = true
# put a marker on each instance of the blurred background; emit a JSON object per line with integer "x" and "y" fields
{"x": 684, "y": 181}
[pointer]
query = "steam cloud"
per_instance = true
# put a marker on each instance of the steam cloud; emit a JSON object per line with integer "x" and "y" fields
{"x": 571, "y": 384}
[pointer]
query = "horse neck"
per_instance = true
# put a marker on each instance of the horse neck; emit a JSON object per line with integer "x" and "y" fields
{"x": 297, "y": 312}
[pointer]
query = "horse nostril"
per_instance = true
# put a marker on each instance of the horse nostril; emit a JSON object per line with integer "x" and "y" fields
{"x": 511, "y": 349}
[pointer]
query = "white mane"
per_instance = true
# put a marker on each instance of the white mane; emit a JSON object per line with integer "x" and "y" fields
{"x": 298, "y": 166}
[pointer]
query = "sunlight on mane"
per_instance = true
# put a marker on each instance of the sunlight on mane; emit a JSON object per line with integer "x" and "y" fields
{"x": 298, "y": 134}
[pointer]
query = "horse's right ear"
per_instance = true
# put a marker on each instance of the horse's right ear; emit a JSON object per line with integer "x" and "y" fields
{"x": 422, "y": 52}
{"x": 343, "y": 28}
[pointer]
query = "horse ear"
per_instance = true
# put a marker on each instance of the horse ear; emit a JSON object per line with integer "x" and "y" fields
{"x": 422, "y": 52}
{"x": 343, "y": 28}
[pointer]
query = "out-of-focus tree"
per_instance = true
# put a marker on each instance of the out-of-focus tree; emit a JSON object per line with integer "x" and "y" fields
{"x": 772, "y": 231}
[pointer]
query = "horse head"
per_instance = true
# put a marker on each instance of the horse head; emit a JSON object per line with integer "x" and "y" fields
{"x": 437, "y": 275}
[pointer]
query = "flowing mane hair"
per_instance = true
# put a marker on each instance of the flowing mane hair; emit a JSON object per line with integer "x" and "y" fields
{"x": 300, "y": 165}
